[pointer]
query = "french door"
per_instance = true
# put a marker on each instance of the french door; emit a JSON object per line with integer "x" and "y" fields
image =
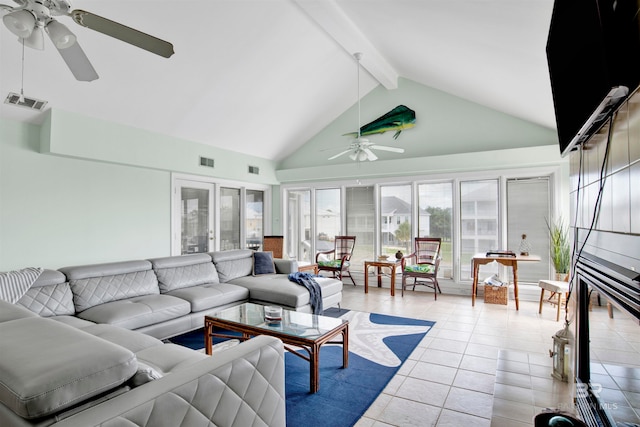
{"x": 193, "y": 207}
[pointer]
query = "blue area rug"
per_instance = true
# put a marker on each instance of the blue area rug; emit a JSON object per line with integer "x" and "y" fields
{"x": 378, "y": 345}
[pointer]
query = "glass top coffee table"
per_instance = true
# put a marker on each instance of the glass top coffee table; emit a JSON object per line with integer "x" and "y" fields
{"x": 304, "y": 330}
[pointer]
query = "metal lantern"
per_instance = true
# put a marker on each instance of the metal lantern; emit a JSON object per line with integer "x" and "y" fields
{"x": 560, "y": 354}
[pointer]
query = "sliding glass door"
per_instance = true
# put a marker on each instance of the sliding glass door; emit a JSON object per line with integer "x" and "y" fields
{"x": 195, "y": 212}
{"x": 207, "y": 216}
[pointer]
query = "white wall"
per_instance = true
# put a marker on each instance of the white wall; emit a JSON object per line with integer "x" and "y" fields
{"x": 57, "y": 211}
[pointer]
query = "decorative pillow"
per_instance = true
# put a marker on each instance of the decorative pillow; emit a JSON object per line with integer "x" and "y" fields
{"x": 14, "y": 284}
{"x": 144, "y": 374}
{"x": 263, "y": 263}
{"x": 419, "y": 268}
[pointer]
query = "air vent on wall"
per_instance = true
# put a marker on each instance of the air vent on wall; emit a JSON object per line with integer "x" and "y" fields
{"x": 254, "y": 170}
{"x": 206, "y": 162}
{"x": 24, "y": 101}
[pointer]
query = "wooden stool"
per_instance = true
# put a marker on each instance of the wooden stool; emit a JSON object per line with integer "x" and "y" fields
{"x": 556, "y": 288}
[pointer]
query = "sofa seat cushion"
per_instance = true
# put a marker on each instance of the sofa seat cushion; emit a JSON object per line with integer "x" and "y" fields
{"x": 132, "y": 341}
{"x": 47, "y": 366}
{"x": 10, "y": 311}
{"x": 278, "y": 289}
{"x": 211, "y": 295}
{"x": 74, "y": 321}
{"x": 137, "y": 312}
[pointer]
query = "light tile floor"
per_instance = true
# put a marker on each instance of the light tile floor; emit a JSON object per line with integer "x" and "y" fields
{"x": 486, "y": 365}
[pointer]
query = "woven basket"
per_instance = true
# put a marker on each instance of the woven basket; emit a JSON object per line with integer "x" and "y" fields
{"x": 496, "y": 294}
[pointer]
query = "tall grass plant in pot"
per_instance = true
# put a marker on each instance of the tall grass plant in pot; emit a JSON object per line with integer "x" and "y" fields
{"x": 560, "y": 248}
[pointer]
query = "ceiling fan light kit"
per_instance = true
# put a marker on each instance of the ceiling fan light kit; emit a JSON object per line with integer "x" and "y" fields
{"x": 60, "y": 35}
{"x": 35, "y": 40}
{"x": 360, "y": 148}
{"x": 31, "y": 17}
{"x": 21, "y": 23}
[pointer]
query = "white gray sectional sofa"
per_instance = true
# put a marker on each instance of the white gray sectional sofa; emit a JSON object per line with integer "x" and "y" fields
{"x": 82, "y": 346}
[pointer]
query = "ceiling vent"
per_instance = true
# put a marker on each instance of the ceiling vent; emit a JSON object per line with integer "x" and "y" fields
{"x": 24, "y": 101}
{"x": 254, "y": 170}
{"x": 206, "y": 162}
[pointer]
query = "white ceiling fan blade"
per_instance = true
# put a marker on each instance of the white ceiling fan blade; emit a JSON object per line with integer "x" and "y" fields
{"x": 385, "y": 148}
{"x": 123, "y": 33}
{"x": 78, "y": 63}
{"x": 372, "y": 157}
{"x": 339, "y": 154}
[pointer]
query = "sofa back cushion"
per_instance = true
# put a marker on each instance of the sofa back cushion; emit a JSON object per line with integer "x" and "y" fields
{"x": 233, "y": 264}
{"x": 101, "y": 283}
{"x": 49, "y": 295}
{"x": 50, "y": 366}
{"x": 184, "y": 271}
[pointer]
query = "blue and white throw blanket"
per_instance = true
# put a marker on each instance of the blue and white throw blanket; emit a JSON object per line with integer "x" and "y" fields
{"x": 14, "y": 284}
{"x": 315, "y": 293}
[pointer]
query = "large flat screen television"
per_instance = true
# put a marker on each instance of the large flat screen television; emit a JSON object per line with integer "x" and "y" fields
{"x": 593, "y": 53}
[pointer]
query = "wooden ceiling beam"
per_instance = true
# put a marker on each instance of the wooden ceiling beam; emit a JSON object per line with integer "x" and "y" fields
{"x": 332, "y": 18}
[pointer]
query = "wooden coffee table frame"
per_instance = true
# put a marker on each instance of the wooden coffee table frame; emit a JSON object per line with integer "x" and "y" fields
{"x": 310, "y": 345}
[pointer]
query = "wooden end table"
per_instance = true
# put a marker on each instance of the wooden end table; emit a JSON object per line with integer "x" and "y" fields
{"x": 379, "y": 264}
{"x": 509, "y": 261}
{"x": 304, "y": 330}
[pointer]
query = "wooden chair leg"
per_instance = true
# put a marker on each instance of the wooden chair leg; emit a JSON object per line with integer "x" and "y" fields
{"x": 541, "y": 300}
{"x": 559, "y": 304}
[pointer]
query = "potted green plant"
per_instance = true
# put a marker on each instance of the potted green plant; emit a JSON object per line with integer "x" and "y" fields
{"x": 559, "y": 248}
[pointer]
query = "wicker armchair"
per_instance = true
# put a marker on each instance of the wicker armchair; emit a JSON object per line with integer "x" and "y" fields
{"x": 422, "y": 265}
{"x": 340, "y": 257}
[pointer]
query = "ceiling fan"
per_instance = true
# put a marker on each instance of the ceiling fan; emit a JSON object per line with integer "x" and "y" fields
{"x": 30, "y": 18}
{"x": 361, "y": 148}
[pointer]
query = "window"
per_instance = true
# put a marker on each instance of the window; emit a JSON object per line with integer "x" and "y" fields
{"x": 327, "y": 218}
{"x": 527, "y": 209}
{"x": 229, "y": 218}
{"x": 298, "y": 213}
{"x": 254, "y": 219}
{"x": 472, "y": 213}
{"x": 478, "y": 222}
{"x": 395, "y": 218}
{"x": 360, "y": 210}
{"x": 435, "y": 210}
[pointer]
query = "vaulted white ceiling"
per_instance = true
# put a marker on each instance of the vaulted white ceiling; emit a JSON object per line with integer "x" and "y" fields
{"x": 262, "y": 77}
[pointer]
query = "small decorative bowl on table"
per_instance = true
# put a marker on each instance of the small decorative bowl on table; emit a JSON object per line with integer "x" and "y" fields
{"x": 383, "y": 257}
{"x": 272, "y": 315}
